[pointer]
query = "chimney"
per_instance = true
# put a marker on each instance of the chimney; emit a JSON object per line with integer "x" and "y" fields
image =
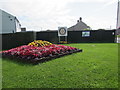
{"x": 80, "y": 18}
{"x": 23, "y": 29}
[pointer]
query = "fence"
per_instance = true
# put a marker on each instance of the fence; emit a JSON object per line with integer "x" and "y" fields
{"x": 13, "y": 40}
{"x": 96, "y": 36}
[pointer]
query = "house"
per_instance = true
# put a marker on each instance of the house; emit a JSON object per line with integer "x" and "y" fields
{"x": 79, "y": 26}
{"x": 8, "y": 23}
{"x": 23, "y": 29}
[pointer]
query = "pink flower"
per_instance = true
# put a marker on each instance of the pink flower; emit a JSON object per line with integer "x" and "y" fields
{"x": 31, "y": 52}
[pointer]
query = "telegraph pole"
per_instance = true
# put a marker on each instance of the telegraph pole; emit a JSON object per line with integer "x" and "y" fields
{"x": 117, "y": 14}
{"x": 116, "y": 32}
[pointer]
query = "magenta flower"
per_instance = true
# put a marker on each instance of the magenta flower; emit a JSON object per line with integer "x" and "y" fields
{"x": 28, "y": 52}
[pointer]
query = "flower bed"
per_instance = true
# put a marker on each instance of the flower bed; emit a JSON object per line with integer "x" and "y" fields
{"x": 38, "y": 54}
{"x": 39, "y": 43}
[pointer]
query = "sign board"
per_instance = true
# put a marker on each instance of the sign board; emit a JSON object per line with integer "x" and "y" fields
{"x": 85, "y": 33}
{"x": 62, "y": 31}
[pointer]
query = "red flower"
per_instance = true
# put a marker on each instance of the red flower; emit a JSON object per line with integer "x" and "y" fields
{"x": 31, "y": 52}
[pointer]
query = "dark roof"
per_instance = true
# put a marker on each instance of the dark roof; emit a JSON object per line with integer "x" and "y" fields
{"x": 79, "y": 26}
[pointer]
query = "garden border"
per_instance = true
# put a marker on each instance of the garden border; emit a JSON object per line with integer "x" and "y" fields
{"x": 40, "y": 60}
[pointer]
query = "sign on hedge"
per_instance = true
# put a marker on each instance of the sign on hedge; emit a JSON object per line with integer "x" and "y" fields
{"x": 85, "y": 33}
{"x": 62, "y": 31}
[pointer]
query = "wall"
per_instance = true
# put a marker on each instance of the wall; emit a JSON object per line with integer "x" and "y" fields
{"x": 8, "y": 22}
{"x": 13, "y": 40}
{"x": 0, "y": 29}
{"x": 96, "y": 36}
{"x": 51, "y": 36}
{"x": 0, "y": 21}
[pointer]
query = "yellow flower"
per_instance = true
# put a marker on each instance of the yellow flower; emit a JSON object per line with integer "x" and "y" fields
{"x": 40, "y": 43}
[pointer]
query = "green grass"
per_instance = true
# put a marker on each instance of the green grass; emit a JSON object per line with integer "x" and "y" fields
{"x": 95, "y": 67}
{"x": 118, "y": 35}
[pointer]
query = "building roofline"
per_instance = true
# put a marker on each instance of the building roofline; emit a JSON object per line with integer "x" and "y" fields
{"x": 7, "y": 12}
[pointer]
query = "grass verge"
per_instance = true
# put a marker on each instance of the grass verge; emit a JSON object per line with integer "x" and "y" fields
{"x": 95, "y": 67}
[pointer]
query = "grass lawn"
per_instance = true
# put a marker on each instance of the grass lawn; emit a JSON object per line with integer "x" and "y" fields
{"x": 118, "y": 36}
{"x": 95, "y": 67}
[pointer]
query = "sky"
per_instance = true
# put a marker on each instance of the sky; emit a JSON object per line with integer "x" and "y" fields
{"x": 40, "y": 15}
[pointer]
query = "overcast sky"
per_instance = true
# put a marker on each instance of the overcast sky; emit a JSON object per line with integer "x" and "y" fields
{"x": 50, "y": 14}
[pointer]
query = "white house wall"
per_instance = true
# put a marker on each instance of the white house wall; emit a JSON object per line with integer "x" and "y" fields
{"x": 18, "y": 27}
{"x": 0, "y": 21}
{"x": 8, "y": 23}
